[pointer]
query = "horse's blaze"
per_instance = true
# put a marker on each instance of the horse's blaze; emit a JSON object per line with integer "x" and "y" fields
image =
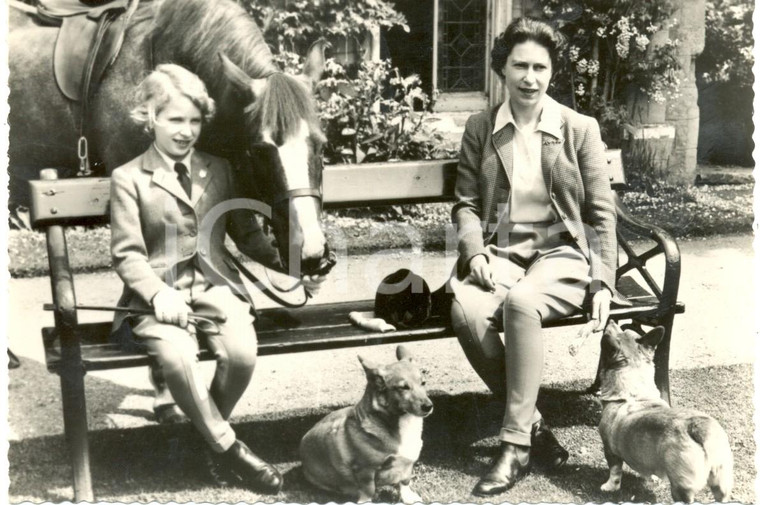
{"x": 305, "y": 225}
{"x": 306, "y": 232}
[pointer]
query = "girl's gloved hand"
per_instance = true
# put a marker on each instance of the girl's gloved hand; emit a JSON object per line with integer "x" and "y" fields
{"x": 170, "y": 307}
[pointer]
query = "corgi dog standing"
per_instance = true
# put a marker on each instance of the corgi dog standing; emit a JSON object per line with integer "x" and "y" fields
{"x": 686, "y": 446}
{"x": 361, "y": 450}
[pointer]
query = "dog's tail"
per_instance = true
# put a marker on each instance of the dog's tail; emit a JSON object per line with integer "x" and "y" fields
{"x": 720, "y": 462}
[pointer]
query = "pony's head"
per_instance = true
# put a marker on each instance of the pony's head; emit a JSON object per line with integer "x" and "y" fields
{"x": 285, "y": 157}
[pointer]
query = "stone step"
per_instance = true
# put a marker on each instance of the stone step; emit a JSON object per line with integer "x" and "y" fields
{"x": 714, "y": 175}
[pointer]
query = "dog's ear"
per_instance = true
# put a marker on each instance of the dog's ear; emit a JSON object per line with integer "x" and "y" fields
{"x": 403, "y": 352}
{"x": 610, "y": 346}
{"x": 373, "y": 372}
{"x": 652, "y": 339}
{"x": 368, "y": 365}
{"x": 609, "y": 339}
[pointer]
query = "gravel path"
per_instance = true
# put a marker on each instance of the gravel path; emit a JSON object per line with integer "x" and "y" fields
{"x": 717, "y": 329}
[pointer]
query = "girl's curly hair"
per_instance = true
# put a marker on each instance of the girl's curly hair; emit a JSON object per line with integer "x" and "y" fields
{"x": 168, "y": 80}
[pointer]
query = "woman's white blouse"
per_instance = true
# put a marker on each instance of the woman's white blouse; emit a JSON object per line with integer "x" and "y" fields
{"x": 529, "y": 200}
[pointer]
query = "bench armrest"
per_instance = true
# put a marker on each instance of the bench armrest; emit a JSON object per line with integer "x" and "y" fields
{"x": 667, "y": 291}
{"x": 61, "y": 279}
{"x": 48, "y": 194}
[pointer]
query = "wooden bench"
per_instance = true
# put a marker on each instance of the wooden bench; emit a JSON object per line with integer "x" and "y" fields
{"x": 72, "y": 348}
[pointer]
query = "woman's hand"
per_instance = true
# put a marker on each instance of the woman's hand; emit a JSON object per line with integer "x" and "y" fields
{"x": 480, "y": 272}
{"x": 312, "y": 283}
{"x": 170, "y": 307}
{"x": 600, "y": 308}
{"x": 600, "y": 312}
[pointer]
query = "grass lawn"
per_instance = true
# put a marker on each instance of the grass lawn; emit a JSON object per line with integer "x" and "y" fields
{"x": 156, "y": 463}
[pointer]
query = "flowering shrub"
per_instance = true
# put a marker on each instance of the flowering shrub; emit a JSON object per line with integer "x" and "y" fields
{"x": 611, "y": 46}
{"x": 375, "y": 116}
{"x": 369, "y": 113}
{"x": 727, "y": 56}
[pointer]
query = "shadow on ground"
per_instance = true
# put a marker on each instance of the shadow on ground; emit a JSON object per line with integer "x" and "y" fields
{"x": 166, "y": 464}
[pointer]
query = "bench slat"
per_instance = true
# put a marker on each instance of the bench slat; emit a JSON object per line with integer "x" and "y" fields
{"x": 311, "y": 328}
{"x": 84, "y": 200}
{"x": 106, "y": 356}
{"x": 65, "y": 200}
{"x": 389, "y": 183}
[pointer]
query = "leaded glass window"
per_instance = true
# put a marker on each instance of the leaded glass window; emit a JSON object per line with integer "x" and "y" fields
{"x": 461, "y": 45}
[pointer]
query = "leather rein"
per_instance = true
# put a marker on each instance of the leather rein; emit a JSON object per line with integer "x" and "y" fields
{"x": 274, "y": 293}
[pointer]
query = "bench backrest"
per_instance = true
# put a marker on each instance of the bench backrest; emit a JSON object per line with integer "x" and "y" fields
{"x": 85, "y": 200}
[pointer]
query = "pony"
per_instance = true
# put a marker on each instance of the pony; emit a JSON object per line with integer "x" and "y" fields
{"x": 266, "y": 121}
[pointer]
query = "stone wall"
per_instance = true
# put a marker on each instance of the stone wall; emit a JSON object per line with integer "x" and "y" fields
{"x": 683, "y": 113}
{"x": 671, "y": 130}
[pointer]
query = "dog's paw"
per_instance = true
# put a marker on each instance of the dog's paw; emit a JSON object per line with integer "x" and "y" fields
{"x": 408, "y": 496}
{"x": 387, "y": 494}
{"x": 611, "y": 485}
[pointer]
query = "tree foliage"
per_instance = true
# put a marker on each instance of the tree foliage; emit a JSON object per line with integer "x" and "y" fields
{"x": 727, "y": 56}
{"x": 291, "y": 25}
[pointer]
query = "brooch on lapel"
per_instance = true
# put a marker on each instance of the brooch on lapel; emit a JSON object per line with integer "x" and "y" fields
{"x": 551, "y": 142}
{"x": 202, "y": 174}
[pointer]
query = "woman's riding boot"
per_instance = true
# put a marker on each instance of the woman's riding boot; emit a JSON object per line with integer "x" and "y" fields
{"x": 545, "y": 448}
{"x": 511, "y": 465}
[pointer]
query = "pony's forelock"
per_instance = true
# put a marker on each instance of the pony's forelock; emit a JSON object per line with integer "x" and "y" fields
{"x": 284, "y": 103}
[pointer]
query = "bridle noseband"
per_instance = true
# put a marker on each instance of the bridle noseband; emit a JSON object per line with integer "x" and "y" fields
{"x": 330, "y": 259}
{"x": 297, "y": 193}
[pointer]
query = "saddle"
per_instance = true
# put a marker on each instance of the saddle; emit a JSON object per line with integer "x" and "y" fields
{"x": 89, "y": 40}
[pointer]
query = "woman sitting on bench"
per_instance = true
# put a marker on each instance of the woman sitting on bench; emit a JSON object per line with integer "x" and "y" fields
{"x": 158, "y": 203}
{"x": 536, "y": 230}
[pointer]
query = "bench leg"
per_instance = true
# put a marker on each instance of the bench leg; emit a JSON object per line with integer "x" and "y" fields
{"x": 75, "y": 428}
{"x": 662, "y": 359}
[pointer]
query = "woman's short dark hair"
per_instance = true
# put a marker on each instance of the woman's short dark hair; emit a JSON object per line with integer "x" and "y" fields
{"x": 521, "y": 30}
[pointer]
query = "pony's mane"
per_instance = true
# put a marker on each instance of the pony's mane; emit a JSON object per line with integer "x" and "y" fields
{"x": 195, "y": 32}
{"x": 285, "y": 101}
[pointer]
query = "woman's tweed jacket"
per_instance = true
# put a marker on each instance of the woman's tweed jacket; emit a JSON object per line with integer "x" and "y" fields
{"x": 576, "y": 176}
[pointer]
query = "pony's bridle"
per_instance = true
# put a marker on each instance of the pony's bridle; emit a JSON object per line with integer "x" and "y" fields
{"x": 283, "y": 198}
{"x": 298, "y": 193}
{"x": 330, "y": 259}
{"x": 327, "y": 263}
